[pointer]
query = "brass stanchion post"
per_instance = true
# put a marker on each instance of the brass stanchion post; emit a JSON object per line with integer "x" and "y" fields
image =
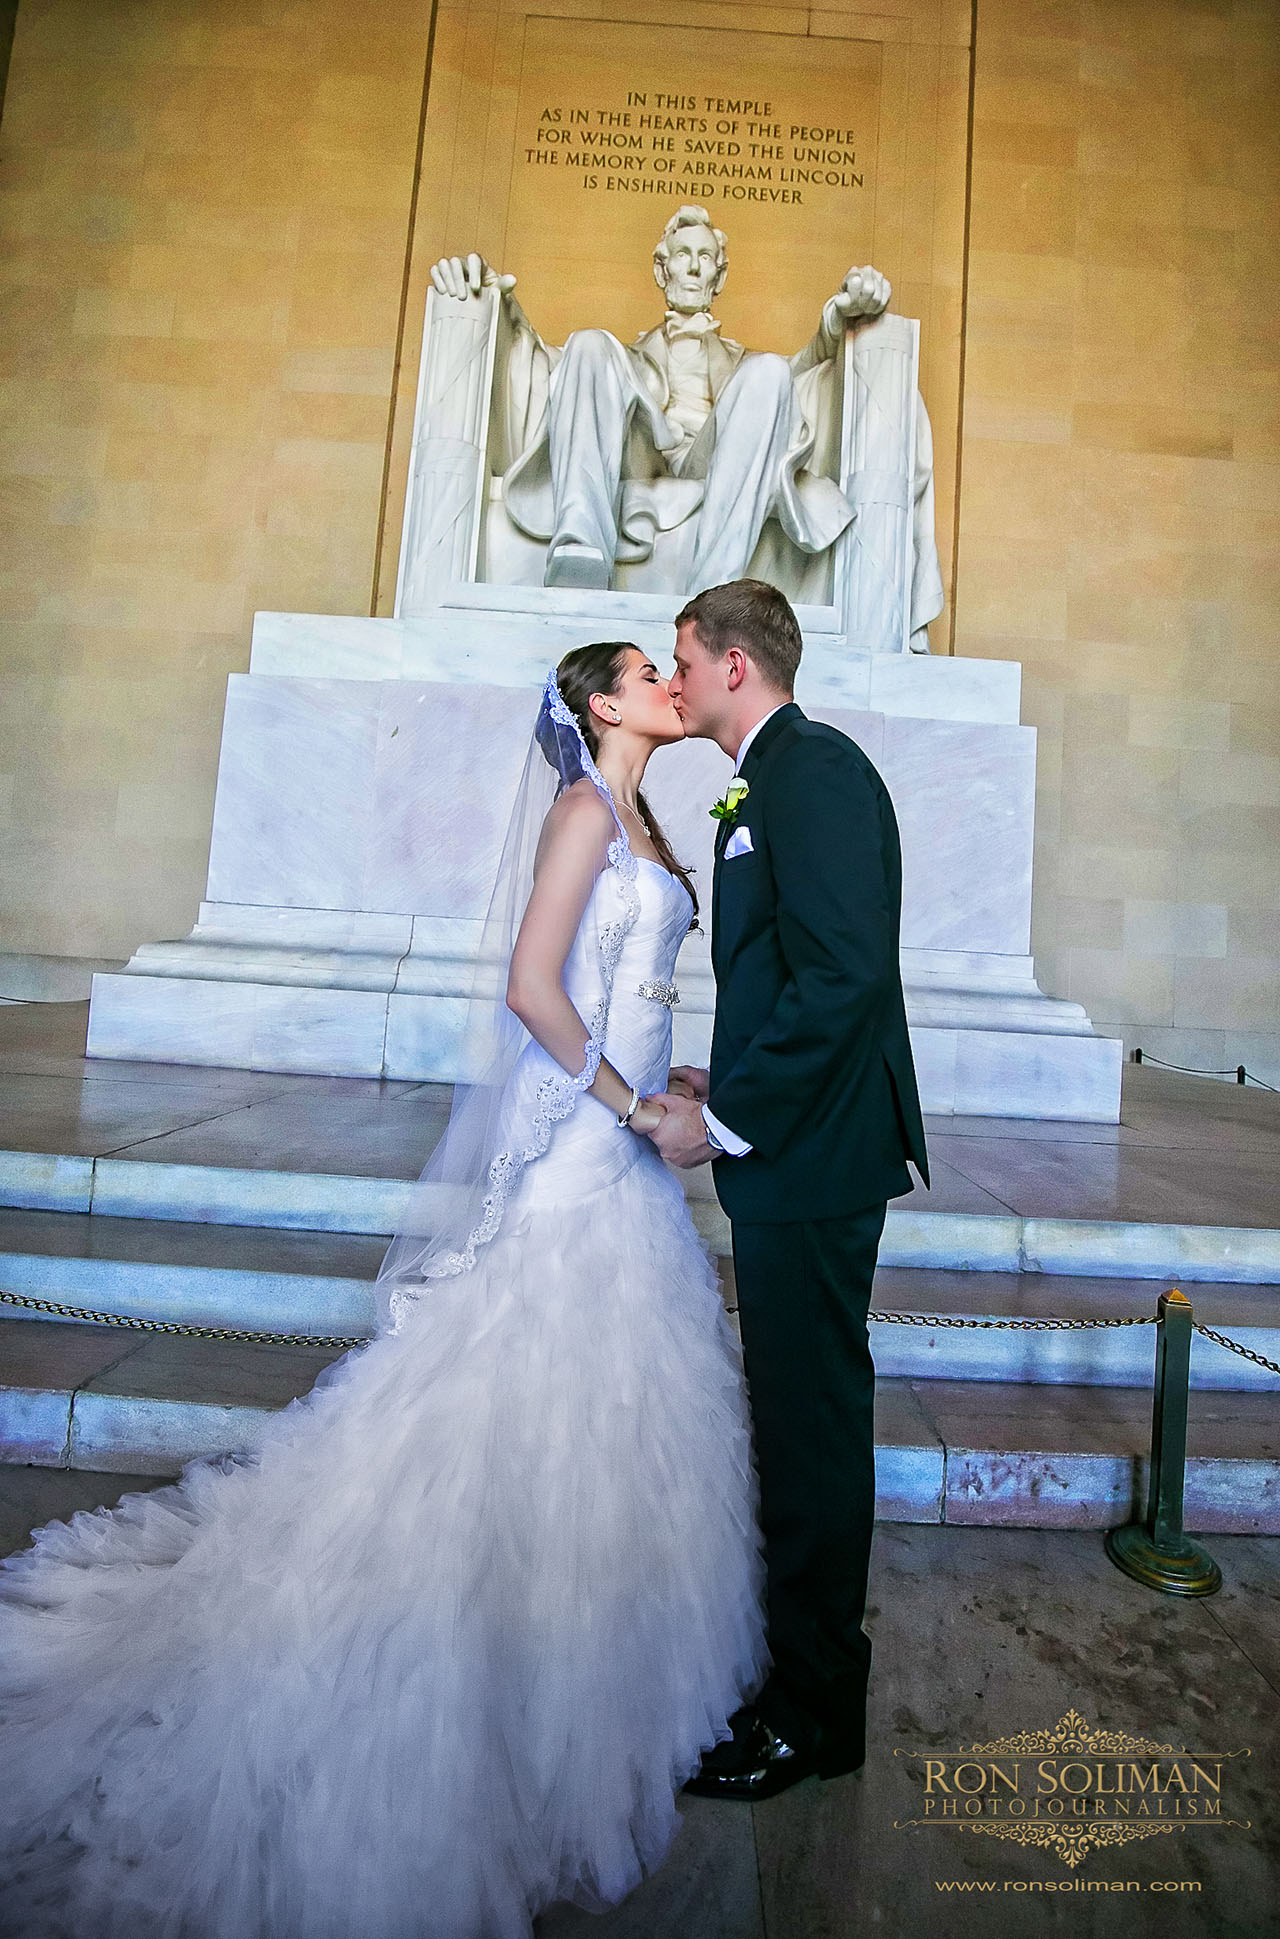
{"x": 1155, "y": 1551}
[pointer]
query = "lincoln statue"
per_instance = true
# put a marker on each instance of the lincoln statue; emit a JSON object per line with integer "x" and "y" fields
{"x": 613, "y": 444}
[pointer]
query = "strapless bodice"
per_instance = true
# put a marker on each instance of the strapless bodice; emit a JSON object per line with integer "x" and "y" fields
{"x": 589, "y": 1148}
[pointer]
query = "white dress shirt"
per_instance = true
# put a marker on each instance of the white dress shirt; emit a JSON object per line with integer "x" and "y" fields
{"x": 719, "y": 1134}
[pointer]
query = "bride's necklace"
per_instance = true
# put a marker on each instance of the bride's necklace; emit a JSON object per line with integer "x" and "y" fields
{"x": 643, "y": 826}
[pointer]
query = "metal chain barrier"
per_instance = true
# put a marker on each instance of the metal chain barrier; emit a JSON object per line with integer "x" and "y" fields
{"x": 177, "y": 1326}
{"x": 1056, "y": 1325}
{"x": 1234, "y": 1346}
{"x": 341, "y": 1343}
{"x": 1238, "y": 1071}
{"x": 95, "y": 1318}
{"x": 1026, "y": 1326}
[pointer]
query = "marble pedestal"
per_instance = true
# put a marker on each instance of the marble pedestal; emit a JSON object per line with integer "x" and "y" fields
{"x": 365, "y": 781}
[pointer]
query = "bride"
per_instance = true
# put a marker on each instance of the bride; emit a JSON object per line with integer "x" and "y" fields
{"x": 444, "y": 1648}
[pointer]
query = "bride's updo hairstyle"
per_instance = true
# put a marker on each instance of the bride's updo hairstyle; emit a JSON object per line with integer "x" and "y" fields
{"x": 599, "y": 669}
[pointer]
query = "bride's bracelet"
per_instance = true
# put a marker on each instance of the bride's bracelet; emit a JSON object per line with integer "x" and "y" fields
{"x": 632, "y": 1108}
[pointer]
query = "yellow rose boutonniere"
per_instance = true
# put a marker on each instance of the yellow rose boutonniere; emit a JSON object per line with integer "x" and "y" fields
{"x": 726, "y": 809}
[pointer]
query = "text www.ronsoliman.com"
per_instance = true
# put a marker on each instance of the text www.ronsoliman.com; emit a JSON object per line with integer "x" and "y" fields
{"x": 1066, "y": 1885}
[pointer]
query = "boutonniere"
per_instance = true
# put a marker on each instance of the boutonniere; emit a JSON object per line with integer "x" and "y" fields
{"x": 726, "y": 809}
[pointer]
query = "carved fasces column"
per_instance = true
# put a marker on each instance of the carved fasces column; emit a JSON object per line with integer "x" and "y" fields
{"x": 444, "y": 497}
{"x": 877, "y": 476}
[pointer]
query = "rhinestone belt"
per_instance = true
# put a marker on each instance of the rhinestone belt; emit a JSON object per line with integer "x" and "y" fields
{"x": 660, "y": 993}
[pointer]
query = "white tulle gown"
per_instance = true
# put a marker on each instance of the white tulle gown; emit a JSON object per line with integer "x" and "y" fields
{"x": 444, "y": 1649}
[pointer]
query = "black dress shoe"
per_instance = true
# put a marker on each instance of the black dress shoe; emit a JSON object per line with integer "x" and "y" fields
{"x": 837, "y": 1760}
{"x": 760, "y": 1767}
{"x": 737, "y": 1753}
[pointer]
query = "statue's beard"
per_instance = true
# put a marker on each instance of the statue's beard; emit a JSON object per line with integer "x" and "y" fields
{"x": 688, "y": 302}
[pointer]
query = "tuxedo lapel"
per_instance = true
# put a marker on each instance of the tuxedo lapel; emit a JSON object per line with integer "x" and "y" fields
{"x": 722, "y": 836}
{"x": 755, "y": 754}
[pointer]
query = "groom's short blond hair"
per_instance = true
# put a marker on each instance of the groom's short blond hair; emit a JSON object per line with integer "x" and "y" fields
{"x": 749, "y": 614}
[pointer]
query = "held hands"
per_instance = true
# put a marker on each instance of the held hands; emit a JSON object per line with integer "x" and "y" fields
{"x": 463, "y": 276}
{"x": 648, "y": 1115}
{"x": 689, "y": 1080}
{"x": 681, "y": 1134}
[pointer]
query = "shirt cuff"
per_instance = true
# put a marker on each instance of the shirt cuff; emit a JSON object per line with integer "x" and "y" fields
{"x": 728, "y": 1141}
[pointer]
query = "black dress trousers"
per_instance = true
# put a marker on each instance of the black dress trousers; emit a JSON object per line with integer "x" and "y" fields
{"x": 804, "y": 1289}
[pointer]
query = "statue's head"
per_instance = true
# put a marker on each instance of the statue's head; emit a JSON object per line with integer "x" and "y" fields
{"x": 691, "y": 260}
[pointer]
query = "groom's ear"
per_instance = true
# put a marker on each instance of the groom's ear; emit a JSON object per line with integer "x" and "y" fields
{"x": 737, "y": 664}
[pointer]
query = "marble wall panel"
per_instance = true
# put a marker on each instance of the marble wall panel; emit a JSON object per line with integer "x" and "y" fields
{"x": 293, "y": 816}
{"x": 394, "y": 796}
{"x": 963, "y": 796}
{"x": 447, "y": 766}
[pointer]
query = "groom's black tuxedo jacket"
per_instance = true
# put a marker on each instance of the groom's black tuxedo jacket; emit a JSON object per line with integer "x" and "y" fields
{"x": 810, "y": 1058}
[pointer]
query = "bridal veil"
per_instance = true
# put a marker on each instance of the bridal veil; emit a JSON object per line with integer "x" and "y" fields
{"x": 495, "y": 1129}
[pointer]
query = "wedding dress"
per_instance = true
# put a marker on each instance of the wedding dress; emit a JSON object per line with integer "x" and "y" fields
{"x": 443, "y": 1649}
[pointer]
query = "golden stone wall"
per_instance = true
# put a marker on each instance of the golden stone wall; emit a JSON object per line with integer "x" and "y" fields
{"x": 204, "y": 224}
{"x": 1120, "y": 495}
{"x": 214, "y": 279}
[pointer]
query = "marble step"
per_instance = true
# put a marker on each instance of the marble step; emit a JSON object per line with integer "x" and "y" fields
{"x": 307, "y": 1201}
{"x": 976, "y": 1453}
{"x": 270, "y": 1280}
{"x": 207, "y": 1275}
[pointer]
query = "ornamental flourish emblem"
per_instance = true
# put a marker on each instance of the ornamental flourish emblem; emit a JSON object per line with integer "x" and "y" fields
{"x": 1071, "y": 1788}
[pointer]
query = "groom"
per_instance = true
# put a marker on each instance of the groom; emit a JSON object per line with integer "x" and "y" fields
{"x": 809, "y": 1113}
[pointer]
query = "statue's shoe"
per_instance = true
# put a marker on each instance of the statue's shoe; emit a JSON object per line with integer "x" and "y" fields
{"x": 581, "y": 567}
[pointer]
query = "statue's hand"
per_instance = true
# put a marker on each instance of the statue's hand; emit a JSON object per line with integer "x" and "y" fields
{"x": 864, "y": 292}
{"x": 462, "y": 276}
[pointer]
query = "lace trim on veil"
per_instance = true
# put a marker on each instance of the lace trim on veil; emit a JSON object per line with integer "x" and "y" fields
{"x": 557, "y": 1096}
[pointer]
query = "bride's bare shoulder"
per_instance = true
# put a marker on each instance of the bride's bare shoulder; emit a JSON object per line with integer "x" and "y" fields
{"x": 579, "y": 818}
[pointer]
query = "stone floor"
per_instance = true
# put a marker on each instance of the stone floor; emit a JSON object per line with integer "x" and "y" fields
{"x": 1187, "y": 1149}
{"x": 979, "y": 1634}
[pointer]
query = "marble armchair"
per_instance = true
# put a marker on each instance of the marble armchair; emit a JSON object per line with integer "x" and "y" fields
{"x": 457, "y": 531}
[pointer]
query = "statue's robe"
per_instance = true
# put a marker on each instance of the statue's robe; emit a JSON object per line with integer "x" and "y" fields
{"x": 660, "y": 492}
